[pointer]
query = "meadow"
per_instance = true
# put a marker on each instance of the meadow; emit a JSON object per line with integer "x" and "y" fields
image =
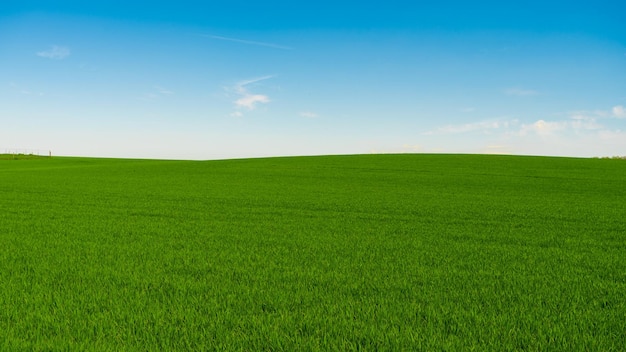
{"x": 333, "y": 253}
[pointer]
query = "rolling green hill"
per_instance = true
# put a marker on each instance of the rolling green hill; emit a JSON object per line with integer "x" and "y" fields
{"x": 371, "y": 252}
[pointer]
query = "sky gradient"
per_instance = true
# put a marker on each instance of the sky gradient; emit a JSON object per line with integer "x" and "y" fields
{"x": 211, "y": 80}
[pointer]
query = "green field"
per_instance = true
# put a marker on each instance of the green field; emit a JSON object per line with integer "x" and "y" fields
{"x": 372, "y": 252}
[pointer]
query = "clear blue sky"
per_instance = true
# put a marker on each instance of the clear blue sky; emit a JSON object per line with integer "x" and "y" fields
{"x": 205, "y": 80}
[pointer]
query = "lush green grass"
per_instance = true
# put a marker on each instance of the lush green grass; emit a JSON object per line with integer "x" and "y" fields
{"x": 393, "y": 252}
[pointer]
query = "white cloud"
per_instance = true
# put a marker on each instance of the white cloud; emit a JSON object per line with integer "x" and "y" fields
{"x": 585, "y": 125}
{"x": 55, "y": 52}
{"x": 576, "y": 133}
{"x": 619, "y": 112}
{"x": 578, "y": 122}
{"x": 308, "y": 114}
{"x": 519, "y": 92}
{"x": 577, "y": 125}
{"x": 236, "y": 114}
{"x": 247, "y": 99}
{"x": 542, "y": 127}
{"x": 547, "y": 128}
{"x": 567, "y": 137}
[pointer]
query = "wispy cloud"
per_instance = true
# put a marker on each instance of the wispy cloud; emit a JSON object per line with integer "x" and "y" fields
{"x": 575, "y": 133}
{"x": 619, "y": 112}
{"x": 160, "y": 91}
{"x": 575, "y": 124}
{"x": 248, "y": 42}
{"x": 542, "y": 127}
{"x": 480, "y": 126}
{"x": 253, "y": 80}
{"x": 163, "y": 91}
{"x": 55, "y": 52}
{"x": 520, "y": 92}
{"x": 21, "y": 90}
{"x": 308, "y": 114}
{"x": 247, "y": 99}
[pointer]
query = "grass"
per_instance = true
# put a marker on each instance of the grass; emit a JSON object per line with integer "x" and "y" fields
{"x": 21, "y": 156}
{"x": 393, "y": 252}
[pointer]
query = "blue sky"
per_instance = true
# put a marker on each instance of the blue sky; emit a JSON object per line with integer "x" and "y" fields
{"x": 208, "y": 80}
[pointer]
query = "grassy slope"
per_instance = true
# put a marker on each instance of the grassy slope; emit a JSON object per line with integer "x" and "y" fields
{"x": 377, "y": 252}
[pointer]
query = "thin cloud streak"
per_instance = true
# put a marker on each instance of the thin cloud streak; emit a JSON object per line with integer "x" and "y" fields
{"x": 519, "y": 92}
{"x": 482, "y": 126}
{"x": 239, "y": 86}
{"x": 163, "y": 90}
{"x": 308, "y": 114}
{"x": 248, "y": 42}
{"x": 55, "y": 52}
